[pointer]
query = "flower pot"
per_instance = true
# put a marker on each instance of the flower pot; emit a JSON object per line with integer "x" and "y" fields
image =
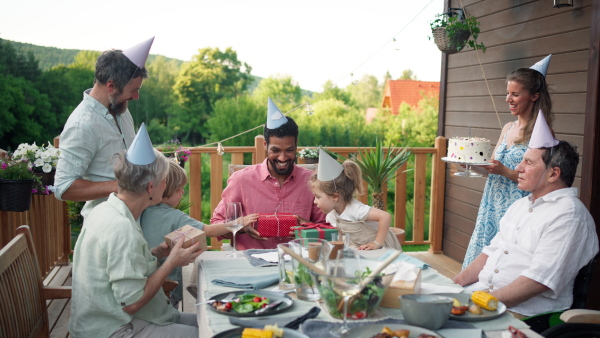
{"x": 447, "y": 45}
{"x": 311, "y": 160}
{"x": 15, "y": 195}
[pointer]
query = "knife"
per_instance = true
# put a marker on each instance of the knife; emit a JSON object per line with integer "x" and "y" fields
{"x": 268, "y": 307}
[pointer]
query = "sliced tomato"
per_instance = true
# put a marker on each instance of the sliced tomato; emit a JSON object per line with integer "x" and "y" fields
{"x": 256, "y": 299}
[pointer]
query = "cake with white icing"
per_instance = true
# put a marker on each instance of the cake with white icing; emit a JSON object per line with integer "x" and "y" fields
{"x": 469, "y": 149}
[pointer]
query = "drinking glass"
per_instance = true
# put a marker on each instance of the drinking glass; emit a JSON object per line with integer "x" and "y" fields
{"x": 346, "y": 275}
{"x": 235, "y": 222}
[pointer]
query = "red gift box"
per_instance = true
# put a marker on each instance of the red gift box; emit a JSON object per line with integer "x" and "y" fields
{"x": 276, "y": 225}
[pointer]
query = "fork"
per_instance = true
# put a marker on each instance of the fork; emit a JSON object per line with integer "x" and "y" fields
{"x": 224, "y": 300}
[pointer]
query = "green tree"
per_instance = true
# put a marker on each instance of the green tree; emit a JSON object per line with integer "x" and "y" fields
{"x": 408, "y": 74}
{"x": 211, "y": 75}
{"x": 86, "y": 59}
{"x": 18, "y": 64}
{"x": 232, "y": 116}
{"x": 366, "y": 93}
{"x": 283, "y": 90}
{"x": 331, "y": 91}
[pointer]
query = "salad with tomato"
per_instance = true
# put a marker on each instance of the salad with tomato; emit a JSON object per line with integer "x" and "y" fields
{"x": 245, "y": 303}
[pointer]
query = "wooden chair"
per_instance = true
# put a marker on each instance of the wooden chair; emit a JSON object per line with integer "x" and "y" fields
{"x": 22, "y": 293}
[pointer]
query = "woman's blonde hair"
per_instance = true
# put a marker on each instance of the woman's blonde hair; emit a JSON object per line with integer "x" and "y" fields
{"x": 346, "y": 185}
{"x": 176, "y": 178}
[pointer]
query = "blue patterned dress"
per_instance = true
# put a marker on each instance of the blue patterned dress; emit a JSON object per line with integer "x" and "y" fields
{"x": 499, "y": 193}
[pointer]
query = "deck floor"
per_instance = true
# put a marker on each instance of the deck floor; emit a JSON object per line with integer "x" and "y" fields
{"x": 59, "y": 309}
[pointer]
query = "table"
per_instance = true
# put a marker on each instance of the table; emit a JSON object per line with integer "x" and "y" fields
{"x": 212, "y": 264}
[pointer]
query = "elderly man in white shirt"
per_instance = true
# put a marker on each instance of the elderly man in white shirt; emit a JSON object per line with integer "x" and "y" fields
{"x": 544, "y": 239}
{"x": 100, "y": 127}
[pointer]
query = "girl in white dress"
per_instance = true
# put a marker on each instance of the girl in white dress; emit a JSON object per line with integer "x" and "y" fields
{"x": 334, "y": 186}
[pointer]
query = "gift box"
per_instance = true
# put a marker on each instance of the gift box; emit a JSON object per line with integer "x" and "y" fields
{"x": 406, "y": 281}
{"x": 276, "y": 225}
{"x": 315, "y": 233}
{"x": 191, "y": 236}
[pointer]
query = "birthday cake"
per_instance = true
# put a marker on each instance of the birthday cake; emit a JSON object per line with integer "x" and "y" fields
{"x": 469, "y": 149}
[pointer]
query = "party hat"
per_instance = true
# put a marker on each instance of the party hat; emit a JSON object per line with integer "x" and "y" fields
{"x": 275, "y": 118}
{"x": 139, "y": 53}
{"x": 542, "y": 65}
{"x": 541, "y": 137}
{"x": 329, "y": 168}
{"x": 141, "y": 151}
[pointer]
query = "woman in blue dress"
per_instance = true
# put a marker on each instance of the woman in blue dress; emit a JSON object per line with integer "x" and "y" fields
{"x": 526, "y": 94}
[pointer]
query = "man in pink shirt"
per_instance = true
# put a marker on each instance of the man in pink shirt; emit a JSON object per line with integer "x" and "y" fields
{"x": 275, "y": 185}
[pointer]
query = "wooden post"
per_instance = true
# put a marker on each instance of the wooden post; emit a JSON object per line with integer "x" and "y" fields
{"x": 216, "y": 180}
{"x": 438, "y": 186}
{"x": 260, "y": 152}
{"x": 400, "y": 200}
{"x": 195, "y": 190}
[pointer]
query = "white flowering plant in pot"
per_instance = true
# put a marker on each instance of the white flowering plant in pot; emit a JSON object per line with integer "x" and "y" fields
{"x": 39, "y": 158}
{"x": 309, "y": 153}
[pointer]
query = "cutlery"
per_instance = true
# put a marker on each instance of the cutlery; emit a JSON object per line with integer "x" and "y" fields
{"x": 268, "y": 307}
{"x": 228, "y": 298}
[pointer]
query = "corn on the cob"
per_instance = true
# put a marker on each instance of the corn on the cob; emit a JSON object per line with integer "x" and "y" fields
{"x": 256, "y": 333}
{"x": 485, "y": 300}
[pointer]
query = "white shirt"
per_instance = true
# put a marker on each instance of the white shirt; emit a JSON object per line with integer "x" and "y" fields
{"x": 89, "y": 140}
{"x": 548, "y": 241}
{"x": 355, "y": 211}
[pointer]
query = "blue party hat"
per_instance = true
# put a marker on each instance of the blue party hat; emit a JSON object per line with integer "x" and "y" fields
{"x": 541, "y": 136}
{"x": 141, "y": 151}
{"x": 275, "y": 118}
{"x": 329, "y": 168}
{"x": 542, "y": 65}
{"x": 138, "y": 54}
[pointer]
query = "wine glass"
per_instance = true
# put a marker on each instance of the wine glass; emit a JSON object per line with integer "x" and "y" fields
{"x": 346, "y": 275}
{"x": 235, "y": 222}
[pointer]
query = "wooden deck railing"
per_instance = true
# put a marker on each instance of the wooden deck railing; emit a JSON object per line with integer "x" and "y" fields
{"x": 47, "y": 216}
{"x": 436, "y": 186}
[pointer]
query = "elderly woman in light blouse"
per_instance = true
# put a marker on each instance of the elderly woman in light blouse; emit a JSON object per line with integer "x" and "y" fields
{"x": 116, "y": 280}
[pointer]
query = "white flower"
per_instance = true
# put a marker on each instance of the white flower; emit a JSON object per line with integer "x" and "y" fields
{"x": 39, "y": 162}
{"x": 47, "y": 168}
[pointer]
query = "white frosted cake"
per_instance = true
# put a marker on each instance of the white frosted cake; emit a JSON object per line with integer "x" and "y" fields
{"x": 469, "y": 149}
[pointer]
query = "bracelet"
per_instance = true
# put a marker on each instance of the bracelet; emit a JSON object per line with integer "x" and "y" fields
{"x": 377, "y": 243}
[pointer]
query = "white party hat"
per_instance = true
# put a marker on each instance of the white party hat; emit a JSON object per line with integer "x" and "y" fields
{"x": 139, "y": 53}
{"x": 541, "y": 136}
{"x": 542, "y": 65}
{"x": 275, "y": 118}
{"x": 329, "y": 168}
{"x": 141, "y": 151}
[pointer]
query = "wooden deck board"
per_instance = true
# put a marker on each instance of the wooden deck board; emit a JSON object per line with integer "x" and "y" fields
{"x": 59, "y": 310}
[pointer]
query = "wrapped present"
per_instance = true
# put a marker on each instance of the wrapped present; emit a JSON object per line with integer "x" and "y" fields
{"x": 313, "y": 230}
{"x": 191, "y": 236}
{"x": 276, "y": 225}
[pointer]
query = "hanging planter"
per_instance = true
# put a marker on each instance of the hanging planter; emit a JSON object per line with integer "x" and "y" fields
{"x": 15, "y": 195}
{"x": 452, "y": 32}
{"x": 311, "y": 160}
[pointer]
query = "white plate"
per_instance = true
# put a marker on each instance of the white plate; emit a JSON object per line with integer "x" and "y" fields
{"x": 368, "y": 331}
{"x": 449, "y": 160}
{"x": 464, "y": 298}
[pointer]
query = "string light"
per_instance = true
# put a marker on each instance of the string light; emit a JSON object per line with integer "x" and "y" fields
{"x": 309, "y": 109}
{"x": 353, "y": 80}
{"x": 220, "y": 149}
{"x": 396, "y": 44}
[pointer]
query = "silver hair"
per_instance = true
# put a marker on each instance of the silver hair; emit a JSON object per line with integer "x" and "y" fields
{"x": 135, "y": 178}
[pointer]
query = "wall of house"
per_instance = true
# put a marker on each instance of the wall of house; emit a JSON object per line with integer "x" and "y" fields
{"x": 516, "y": 34}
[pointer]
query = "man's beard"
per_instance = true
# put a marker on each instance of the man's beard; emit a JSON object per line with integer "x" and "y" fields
{"x": 115, "y": 107}
{"x": 283, "y": 172}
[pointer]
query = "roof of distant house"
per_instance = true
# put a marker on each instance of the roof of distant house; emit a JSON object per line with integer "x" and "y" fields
{"x": 409, "y": 91}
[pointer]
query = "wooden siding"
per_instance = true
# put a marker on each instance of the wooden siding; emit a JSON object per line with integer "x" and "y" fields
{"x": 516, "y": 34}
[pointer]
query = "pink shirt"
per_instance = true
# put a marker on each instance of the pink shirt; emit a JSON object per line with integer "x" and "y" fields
{"x": 260, "y": 193}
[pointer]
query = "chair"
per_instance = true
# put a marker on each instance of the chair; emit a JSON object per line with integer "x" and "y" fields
{"x": 545, "y": 321}
{"x": 22, "y": 293}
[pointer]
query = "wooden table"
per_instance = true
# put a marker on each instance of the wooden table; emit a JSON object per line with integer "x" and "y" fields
{"x": 211, "y": 323}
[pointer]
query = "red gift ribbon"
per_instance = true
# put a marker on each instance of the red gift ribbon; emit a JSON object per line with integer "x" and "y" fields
{"x": 180, "y": 234}
{"x": 318, "y": 226}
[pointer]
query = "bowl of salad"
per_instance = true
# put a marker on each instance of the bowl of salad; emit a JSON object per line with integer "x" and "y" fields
{"x": 365, "y": 303}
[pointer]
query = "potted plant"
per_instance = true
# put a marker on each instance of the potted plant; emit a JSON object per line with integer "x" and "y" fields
{"x": 379, "y": 166}
{"x": 173, "y": 148}
{"x": 17, "y": 183}
{"x": 452, "y": 32}
{"x": 310, "y": 155}
{"x": 42, "y": 159}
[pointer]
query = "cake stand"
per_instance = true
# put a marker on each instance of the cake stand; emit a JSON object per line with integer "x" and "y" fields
{"x": 468, "y": 172}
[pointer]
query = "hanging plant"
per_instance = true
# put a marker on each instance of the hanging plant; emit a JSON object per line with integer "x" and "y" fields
{"x": 452, "y": 32}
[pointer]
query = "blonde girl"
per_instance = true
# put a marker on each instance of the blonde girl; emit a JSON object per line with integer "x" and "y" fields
{"x": 367, "y": 227}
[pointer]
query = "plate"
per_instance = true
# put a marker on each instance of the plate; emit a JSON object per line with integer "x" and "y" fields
{"x": 449, "y": 160}
{"x": 464, "y": 298}
{"x": 273, "y": 296}
{"x": 368, "y": 331}
{"x": 237, "y": 333}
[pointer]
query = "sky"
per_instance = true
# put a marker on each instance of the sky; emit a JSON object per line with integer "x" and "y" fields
{"x": 313, "y": 41}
